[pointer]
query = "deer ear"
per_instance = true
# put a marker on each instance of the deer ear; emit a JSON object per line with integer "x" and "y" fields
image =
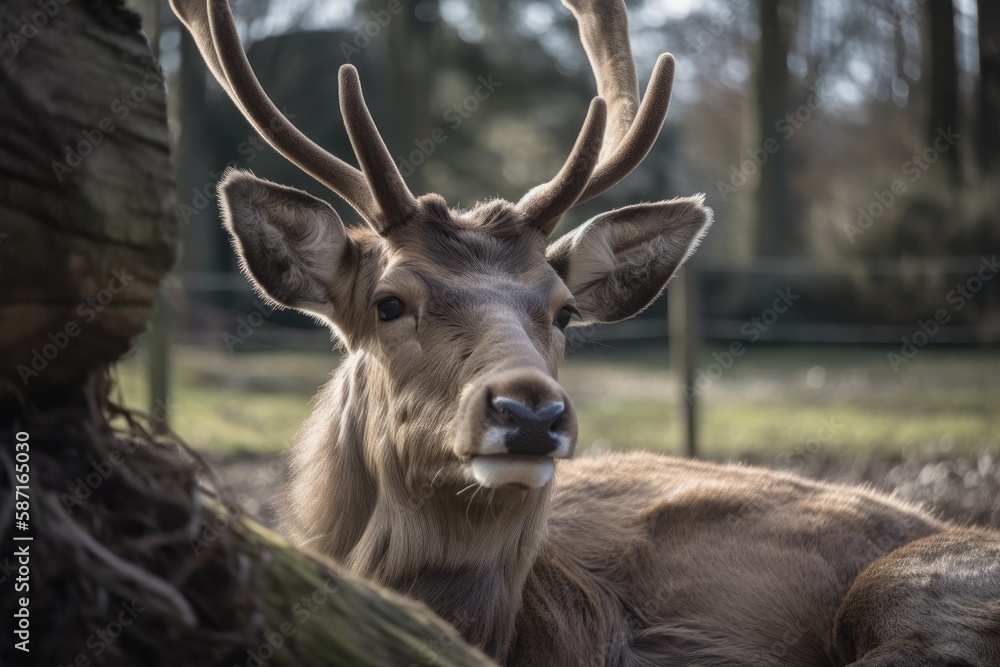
{"x": 290, "y": 244}
{"x": 618, "y": 263}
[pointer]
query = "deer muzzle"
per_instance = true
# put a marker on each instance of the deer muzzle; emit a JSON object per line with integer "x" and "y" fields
{"x": 513, "y": 426}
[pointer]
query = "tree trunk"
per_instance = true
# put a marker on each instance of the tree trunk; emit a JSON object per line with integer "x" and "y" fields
{"x": 201, "y": 232}
{"x": 404, "y": 115}
{"x": 777, "y": 21}
{"x": 989, "y": 86}
{"x": 87, "y": 224}
{"x": 940, "y": 60}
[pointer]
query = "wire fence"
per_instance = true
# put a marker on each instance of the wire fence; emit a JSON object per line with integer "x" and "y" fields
{"x": 203, "y": 316}
{"x": 214, "y": 309}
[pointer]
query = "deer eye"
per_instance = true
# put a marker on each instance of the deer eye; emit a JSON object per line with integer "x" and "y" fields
{"x": 389, "y": 309}
{"x": 563, "y": 318}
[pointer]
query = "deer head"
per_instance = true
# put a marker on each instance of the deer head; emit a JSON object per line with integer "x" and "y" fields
{"x": 459, "y": 314}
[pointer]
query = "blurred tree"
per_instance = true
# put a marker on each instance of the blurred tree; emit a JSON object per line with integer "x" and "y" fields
{"x": 403, "y": 82}
{"x": 150, "y": 11}
{"x": 777, "y": 23}
{"x": 192, "y": 161}
{"x": 989, "y": 85}
{"x": 942, "y": 64}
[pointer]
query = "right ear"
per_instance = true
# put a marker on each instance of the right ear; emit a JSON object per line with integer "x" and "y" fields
{"x": 291, "y": 244}
{"x": 618, "y": 263}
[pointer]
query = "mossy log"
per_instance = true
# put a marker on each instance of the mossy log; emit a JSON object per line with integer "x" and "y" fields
{"x": 133, "y": 563}
{"x": 358, "y": 624}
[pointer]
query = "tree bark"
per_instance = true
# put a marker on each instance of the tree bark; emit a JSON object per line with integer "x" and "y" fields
{"x": 777, "y": 21}
{"x": 87, "y": 226}
{"x": 942, "y": 92}
{"x": 989, "y": 86}
{"x": 402, "y": 95}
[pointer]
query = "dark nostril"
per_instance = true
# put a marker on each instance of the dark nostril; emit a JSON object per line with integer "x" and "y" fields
{"x": 544, "y": 416}
{"x": 532, "y": 433}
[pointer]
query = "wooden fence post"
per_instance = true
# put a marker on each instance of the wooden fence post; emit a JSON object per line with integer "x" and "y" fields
{"x": 684, "y": 313}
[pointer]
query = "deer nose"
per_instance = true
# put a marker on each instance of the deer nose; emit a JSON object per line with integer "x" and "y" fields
{"x": 533, "y": 432}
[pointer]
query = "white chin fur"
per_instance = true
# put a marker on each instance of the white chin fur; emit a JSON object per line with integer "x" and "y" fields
{"x": 494, "y": 471}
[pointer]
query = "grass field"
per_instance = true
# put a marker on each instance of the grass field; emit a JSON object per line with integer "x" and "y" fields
{"x": 775, "y": 402}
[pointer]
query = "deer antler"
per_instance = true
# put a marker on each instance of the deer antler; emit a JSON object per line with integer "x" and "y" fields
{"x": 547, "y": 203}
{"x": 616, "y": 136}
{"x": 377, "y": 192}
{"x": 386, "y": 183}
{"x": 632, "y": 127}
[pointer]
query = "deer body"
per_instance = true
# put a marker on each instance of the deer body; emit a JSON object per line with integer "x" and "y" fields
{"x": 437, "y": 461}
{"x": 700, "y": 564}
{"x": 638, "y": 559}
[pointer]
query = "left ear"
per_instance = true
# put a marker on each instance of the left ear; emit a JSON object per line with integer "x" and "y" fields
{"x": 618, "y": 263}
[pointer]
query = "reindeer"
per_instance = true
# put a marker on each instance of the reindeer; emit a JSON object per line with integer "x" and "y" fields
{"x": 429, "y": 464}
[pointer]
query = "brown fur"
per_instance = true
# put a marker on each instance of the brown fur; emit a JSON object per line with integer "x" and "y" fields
{"x": 622, "y": 560}
{"x": 935, "y": 602}
{"x": 639, "y": 559}
{"x": 410, "y": 472}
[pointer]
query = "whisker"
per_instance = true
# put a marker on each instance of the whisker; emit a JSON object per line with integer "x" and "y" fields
{"x": 489, "y": 504}
{"x": 469, "y": 506}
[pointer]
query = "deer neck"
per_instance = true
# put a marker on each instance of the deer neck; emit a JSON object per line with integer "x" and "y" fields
{"x": 465, "y": 552}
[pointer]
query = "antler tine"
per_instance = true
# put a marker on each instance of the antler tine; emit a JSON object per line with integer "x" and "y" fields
{"x": 604, "y": 33}
{"x": 387, "y": 185}
{"x": 626, "y": 154}
{"x": 214, "y": 30}
{"x": 632, "y": 127}
{"x": 546, "y": 204}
